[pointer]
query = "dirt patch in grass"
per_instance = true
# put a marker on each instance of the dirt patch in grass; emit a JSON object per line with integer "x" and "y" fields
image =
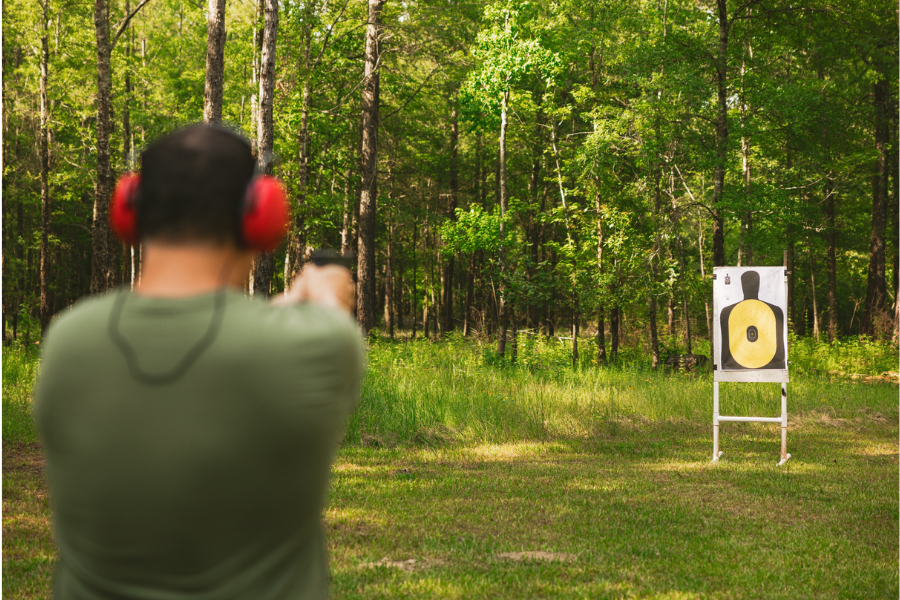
{"x": 22, "y": 457}
{"x": 538, "y": 555}
{"x": 408, "y": 565}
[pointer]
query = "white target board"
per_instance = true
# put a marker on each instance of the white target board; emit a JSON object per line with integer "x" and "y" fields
{"x": 750, "y": 324}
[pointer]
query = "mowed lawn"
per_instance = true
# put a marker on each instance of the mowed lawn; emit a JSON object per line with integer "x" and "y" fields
{"x": 611, "y": 503}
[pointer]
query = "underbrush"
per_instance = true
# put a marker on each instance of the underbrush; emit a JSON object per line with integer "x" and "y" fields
{"x": 427, "y": 392}
{"x": 432, "y": 392}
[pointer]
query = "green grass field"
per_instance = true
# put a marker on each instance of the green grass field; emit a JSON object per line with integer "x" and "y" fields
{"x": 455, "y": 459}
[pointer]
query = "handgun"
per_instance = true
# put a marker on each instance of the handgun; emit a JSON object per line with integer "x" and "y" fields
{"x": 327, "y": 256}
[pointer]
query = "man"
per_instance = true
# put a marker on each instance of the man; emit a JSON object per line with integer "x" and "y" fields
{"x": 189, "y": 432}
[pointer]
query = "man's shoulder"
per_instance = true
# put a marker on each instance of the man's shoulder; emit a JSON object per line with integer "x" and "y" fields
{"x": 88, "y": 312}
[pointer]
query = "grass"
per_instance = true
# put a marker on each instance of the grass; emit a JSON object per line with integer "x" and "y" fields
{"x": 455, "y": 457}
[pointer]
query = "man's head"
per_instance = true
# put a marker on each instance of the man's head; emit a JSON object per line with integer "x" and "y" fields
{"x": 192, "y": 187}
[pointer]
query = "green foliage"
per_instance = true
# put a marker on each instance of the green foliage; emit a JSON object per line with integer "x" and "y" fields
{"x": 19, "y": 373}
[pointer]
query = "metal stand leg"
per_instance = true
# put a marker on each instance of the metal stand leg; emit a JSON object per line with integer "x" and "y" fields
{"x": 716, "y": 452}
{"x": 784, "y": 454}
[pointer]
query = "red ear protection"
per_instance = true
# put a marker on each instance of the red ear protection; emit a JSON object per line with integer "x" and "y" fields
{"x": 265, "y": 218}
{"x": 123, "y": 210}
{"x": 264, "y": 214}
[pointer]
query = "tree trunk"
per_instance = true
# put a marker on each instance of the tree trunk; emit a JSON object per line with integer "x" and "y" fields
{"x": 791, "y": 278}
{"x": 447, "y": 276}
{"x": 614, "y": 332}
{"x": 815, "y": 307}
{"x": 654, "y": 274}
{"x": 504, "y": 207}
{"x": 470, "y": 288}
{"x": 415, "y": 266}
{"x": 365, "y": 288}
{"x": 601, "y": 325}
{"x": 389, "y": 281}
{"x": 684, "y": 297}
{"x": 45, "y": 169}
{"x": 296, "y": 248}
{"x": 347, "y": 230}
{"x": 831, "y": 237}
{"x": 264, "y": 266}
{"x": 876, "y": 297}
{"x": 721, "y": 137}
{"x": 215, "y": 62}
{"x": 101, "y": 274}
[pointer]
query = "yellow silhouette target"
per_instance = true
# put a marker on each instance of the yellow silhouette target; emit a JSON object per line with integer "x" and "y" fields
{"x": 753, "y": 334}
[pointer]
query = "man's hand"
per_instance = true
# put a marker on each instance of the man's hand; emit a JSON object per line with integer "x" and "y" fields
{"x": 329, "y": 285}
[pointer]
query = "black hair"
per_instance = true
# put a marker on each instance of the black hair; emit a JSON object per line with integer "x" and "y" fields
{"x": 193, "y": 183}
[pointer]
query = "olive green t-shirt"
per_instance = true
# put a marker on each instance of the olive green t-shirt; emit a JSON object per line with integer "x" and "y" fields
{"x": 208, "y": 486}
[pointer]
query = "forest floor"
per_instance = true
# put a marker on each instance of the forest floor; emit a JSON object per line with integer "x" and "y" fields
{"x": 611, "y": 497}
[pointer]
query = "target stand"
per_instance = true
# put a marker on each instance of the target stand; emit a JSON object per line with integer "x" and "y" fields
{"x": 750, "y": 339}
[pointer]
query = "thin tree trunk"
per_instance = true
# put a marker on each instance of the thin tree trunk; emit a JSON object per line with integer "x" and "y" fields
{"x": 45, "y": 169}
{"x": 876, "y": 297}
{"x": 215, "y": 62}
{"x": 614, "y": 332}
{"x": 265, "y": 262}
{"x": 347, "y": 230}
{"x": 684, "y": 297}
{"x": 815, "y": 308}
{"x": 709, "y": 327}
{"x": 601, "y": 325}
{"x": 654, "y": 274}
{"x": 389, "y": 281}
{"x": 831, "y": 237}
{"x": 101, "y": 273}
{"x": 296, "y": 249}
{"x": 470, "y": 288}
{"x": 721, "y": 136}
{"x": 745, "y": 250}
{"x": 415, "y": 266}
{"x": 365, "y": 289}
{"x": 504, "y": 207}
{"x": 447, "y": 275}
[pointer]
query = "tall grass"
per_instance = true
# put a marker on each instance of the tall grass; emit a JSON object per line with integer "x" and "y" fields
{"x": 19, "y": 371}
{"x": 430, "y": 391}
{"x": 459, "y": 389}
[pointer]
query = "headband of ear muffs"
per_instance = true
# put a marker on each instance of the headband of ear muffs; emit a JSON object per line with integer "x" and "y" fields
{"x": 263, "y": 218}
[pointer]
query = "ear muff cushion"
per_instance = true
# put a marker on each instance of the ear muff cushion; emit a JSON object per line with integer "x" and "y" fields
{"x": 123, "y": 209}
{"x": 265, "y": 217}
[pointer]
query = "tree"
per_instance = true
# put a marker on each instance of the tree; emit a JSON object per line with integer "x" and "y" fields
{"x": 265, "y": 262}
{"x": 368, "y": 166}
{"x": 215, "y": 62}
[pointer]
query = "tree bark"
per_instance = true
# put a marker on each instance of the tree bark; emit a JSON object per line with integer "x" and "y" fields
{"x": 265, "y": 263}
{"x": 876, "y": 296}
{"x": 296, "y": 249}
{"x": 815, "y": 307}
{"x": 389, "y": 266}
{"x": 365, "y": 289}
{"x": 46, "y": 312}
{"x": 504, "y": 207}
{"x": 470, "y": 288}
{"x": 614, "y": 332}
{"x": 721, "y": 137}
{"x": 447, "y": 275}
{"x": 101, "y": 274}
{"x": 831, "y": 237}
{"x": 601, "y": 325}
{"x": 215, "y": 62}
{"x": 347, "y": 229}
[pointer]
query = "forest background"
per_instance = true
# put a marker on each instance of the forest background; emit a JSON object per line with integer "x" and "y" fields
{"x": 571, "y": 168}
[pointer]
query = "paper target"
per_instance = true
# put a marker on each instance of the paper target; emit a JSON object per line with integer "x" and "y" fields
{"x": 750, "y": 326}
